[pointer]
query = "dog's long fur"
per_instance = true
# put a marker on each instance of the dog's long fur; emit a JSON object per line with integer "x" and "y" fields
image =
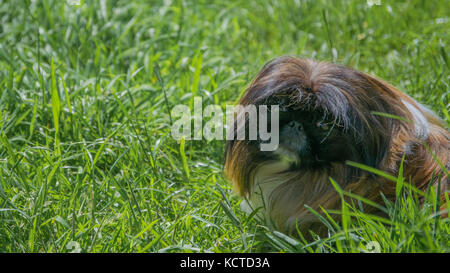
{"x": 352, "y": 98}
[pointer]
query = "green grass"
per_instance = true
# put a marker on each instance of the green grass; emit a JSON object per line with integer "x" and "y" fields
{"x": 87, "y": 162}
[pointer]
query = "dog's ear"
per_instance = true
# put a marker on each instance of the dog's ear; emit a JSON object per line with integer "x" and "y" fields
{"x": 241, "y": 162}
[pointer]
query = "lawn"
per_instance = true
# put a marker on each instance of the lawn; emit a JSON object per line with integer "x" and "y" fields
{"x": 87, "y": 161}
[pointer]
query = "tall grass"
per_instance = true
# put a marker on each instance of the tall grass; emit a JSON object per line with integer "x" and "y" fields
{"x": 87, "y": 162}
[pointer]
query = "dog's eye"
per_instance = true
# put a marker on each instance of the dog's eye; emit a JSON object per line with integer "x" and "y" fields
{"x": 322, "y": 126}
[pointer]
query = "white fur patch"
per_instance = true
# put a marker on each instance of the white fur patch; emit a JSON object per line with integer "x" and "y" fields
{"x": 267, "y": 178}
{"x": 421, "y": 125}
{"x": 287, "y": 156}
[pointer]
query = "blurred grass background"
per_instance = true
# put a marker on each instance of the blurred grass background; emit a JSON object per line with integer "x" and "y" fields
{"x": 87, "y": 162}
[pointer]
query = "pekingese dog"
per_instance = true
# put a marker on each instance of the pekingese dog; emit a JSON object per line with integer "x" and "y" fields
{"x": 330, "y": 114}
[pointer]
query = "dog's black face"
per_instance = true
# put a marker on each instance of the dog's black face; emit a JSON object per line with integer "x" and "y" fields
{"x": 312, "y": 139}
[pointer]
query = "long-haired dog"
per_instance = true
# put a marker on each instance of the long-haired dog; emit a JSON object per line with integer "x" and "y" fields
{"x": 331, "y": 114}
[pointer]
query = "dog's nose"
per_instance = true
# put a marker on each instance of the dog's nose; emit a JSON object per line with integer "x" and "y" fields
{"x": 295, "y": 125}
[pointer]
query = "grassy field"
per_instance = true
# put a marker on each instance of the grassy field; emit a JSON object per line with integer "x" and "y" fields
{"x": 87, "y": 162}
